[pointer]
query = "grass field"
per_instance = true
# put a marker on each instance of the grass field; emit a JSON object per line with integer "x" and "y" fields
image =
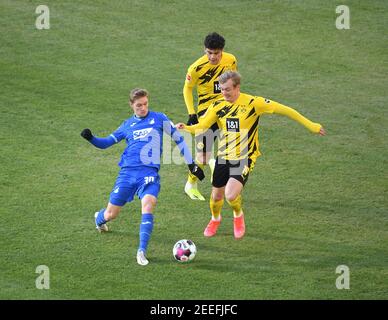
{"x": 311, "y": 204}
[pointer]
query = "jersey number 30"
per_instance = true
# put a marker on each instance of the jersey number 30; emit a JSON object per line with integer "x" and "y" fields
{"x": 149, "y": 179}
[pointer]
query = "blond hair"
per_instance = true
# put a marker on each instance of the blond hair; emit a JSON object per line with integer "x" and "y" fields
{"x": 234, "y": 75}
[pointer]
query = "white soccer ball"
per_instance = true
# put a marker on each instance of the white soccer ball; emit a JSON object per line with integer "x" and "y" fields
{"x": 184, "y": 250}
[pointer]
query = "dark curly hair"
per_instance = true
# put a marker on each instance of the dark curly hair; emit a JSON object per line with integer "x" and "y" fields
{"x": 214, "y": 41}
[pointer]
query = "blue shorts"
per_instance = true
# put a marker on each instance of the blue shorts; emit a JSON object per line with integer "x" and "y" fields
{"x": 138, "y": 181}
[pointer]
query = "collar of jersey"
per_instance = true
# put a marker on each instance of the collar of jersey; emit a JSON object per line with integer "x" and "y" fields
{"x": 141, "y": 118}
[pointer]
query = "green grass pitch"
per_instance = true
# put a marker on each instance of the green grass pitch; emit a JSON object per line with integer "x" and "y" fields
{"x": 311, "y": 204}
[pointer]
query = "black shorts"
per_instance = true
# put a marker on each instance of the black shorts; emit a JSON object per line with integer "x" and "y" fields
{"x": 225, "y": 169}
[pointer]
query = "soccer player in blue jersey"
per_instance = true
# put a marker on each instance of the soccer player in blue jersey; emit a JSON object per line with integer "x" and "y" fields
{"x": 140, "y": 164}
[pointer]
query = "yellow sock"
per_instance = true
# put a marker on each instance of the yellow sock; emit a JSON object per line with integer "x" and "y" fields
{"x": 201, "y": 165}
{"x": 192, "y": 178}
{"x": 215, "y": 208}
{"x": 236, "y": 206}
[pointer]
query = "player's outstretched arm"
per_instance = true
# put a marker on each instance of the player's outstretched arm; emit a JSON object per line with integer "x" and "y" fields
{"x": 205, "y": 122}
{"x": 87, "y": 134}
{"x": 295, "y": 115}
{"x": 170, "y": 129}
{"x": 101, "y": 143}
{"x": 195, "y": 129}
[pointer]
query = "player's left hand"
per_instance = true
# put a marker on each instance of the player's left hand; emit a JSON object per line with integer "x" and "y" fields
{"x": 322, "y": 131}
{"x": 197, "y": 171}
{"x": 87, "y": 134}
{"x": 193, "y": 119}
{"x": 180, "y": 126}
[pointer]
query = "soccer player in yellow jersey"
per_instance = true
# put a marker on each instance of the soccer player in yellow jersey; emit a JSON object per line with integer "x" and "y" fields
{"x": 203, "y": 74}
{"x": 237, "y": 115}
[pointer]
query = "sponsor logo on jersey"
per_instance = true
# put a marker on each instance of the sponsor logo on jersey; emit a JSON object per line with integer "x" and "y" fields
{"x": 233, "y": 124}
{"x": 140, "y": 134}
{"x": 200, "y": 145}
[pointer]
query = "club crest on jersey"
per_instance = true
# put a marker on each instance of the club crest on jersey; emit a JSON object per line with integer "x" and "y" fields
{"x": 152, "y": 121}
{"x": 140, "y": 134}
{"x": 267, "y": 100}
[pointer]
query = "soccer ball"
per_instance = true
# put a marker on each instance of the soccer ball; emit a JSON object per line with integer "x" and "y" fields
{"x": 184, "y": 250}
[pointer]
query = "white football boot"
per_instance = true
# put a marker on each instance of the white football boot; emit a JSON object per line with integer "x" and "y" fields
{"x": 101, "y": 228}
{"x": 141, "y": 259}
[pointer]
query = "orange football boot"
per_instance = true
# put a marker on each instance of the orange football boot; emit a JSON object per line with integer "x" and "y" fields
{"x": 211, "y": 228}
{"x": 239, "y": 227}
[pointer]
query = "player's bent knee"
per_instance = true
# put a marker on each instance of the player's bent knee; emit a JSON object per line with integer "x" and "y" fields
{"x": 231, "y": 196}
{"x": 148, "y": 208}
{"x": 217, "y": 196}
{"x": 148, "y": 204}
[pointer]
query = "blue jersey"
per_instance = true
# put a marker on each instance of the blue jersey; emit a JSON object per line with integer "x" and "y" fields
{"x": 144, "y": 137}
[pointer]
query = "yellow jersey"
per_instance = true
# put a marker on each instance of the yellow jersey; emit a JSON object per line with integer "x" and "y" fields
{"x": 204, "y": 76}
{"x": 238, "y": 122}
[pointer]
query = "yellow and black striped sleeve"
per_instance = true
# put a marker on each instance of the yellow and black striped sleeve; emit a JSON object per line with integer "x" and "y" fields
{"x": 263, "y": 105}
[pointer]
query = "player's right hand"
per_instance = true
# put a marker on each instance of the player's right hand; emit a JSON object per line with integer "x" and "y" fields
{"x": 87, "y": 134}
{"x": 180, "y": 126}
{"x": 197, "y": 171}
{"x": 193, "y": 119}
